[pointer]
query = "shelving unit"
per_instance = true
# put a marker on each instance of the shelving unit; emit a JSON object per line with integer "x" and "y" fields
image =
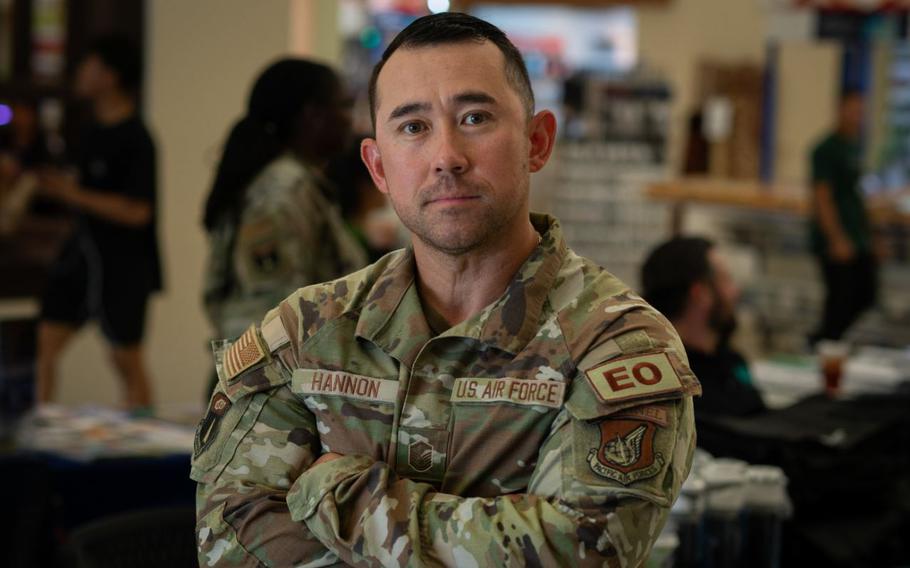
{"x": 785, "y": 293}
{"x": 603, "y": 208}
{"x": 26, "y": 78}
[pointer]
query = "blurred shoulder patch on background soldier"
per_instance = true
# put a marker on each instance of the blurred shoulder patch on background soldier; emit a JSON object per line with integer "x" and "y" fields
{"x": 262, "y": 240}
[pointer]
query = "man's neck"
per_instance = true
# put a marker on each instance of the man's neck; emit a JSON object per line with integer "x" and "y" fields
{"x": 457, "y": 287}
{"x": 113, "y": 108}
{"x": 697, "y": 335}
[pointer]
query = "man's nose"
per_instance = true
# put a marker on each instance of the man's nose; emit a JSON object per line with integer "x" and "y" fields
{"x": 451, "y": 156}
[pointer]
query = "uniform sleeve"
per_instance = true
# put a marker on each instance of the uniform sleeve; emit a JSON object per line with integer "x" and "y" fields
{"x": 599, "y": 495}
{"x": 274, "y": 252}
{"x": 254, "y": 441}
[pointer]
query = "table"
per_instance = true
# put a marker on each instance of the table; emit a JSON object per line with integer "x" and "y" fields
{"x": 847, "y": 458}
{"x": 784, "y": 380}
{"x": 81, "y": 465}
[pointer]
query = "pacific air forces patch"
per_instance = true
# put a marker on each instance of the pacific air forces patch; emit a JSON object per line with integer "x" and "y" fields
{"x": 626, "y": 451}
{"x": 628, "y": 446}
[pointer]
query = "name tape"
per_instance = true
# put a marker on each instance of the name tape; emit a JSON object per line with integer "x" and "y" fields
{"x": 339, "y": 383}
{"x": 633, "y": 377}
{"x": 517, "y": 391}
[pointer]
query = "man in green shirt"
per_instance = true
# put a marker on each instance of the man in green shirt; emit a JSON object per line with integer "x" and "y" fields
{"x": 840, "y": 229}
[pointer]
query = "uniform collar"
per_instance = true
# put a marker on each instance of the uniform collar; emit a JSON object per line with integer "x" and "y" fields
{"x": 392, "y": 316}
{"x": 511, "y": 321}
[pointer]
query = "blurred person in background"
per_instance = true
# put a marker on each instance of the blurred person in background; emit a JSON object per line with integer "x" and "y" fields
{"x": 22, "y": 145}
{"x": 22, "y": 150}
{"x": 840, "y": 230}
{"x": 688, "y": 281}
{"x": 365, "y": 209}
{"x": 110, "y": 266}
{"x": 272, "y": 218}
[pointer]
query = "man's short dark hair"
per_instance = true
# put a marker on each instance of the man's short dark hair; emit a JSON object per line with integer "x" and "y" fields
{"x": 121, "y": 55}
{"x": 454, "y": 27}
{"x": 670, "y": 271}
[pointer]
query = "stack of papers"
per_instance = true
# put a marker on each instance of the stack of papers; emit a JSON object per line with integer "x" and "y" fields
{"x": 782, "y": 382}
{"x": 876, "y": 370}
{"x": 91, "y": 432}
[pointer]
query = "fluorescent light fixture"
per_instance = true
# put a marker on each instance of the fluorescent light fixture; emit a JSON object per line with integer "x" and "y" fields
{"x": 437, "y": 6}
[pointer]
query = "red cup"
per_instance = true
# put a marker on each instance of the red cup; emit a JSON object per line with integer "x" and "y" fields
{"x": 832, "y": 355}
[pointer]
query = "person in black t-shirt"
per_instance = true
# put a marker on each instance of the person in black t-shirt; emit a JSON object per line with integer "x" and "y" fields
{"x": 688, "y": 281}
{"x": 109, "y": 267}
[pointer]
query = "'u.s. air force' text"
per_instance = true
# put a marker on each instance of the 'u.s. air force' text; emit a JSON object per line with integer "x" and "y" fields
{"x": 508, "y": 389}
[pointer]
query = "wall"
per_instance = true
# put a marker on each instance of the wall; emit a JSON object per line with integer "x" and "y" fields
{"x": 675, "y": 36}
{"x": 805, "y": 109}
{"x": 202, "y": 57}
{"x": 313, "y": 29}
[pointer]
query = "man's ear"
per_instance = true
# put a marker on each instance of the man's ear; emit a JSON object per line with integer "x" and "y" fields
{"x": 369, "y": 153}
{"x": 543, "y": 138}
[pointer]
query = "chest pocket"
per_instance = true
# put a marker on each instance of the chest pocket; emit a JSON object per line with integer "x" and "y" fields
{"x": 354, "y": 413}
{"x": 508, "y": 418}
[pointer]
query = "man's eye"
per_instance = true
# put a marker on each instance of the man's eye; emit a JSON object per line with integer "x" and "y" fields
{"x": 412, "y": 128}
{"x": 475, "y": 118}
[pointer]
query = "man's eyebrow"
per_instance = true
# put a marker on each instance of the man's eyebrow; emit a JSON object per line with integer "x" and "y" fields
{"x": 474, "y": 97}
{"x": 468, "y": 97}
{"x": 408, "y": 108}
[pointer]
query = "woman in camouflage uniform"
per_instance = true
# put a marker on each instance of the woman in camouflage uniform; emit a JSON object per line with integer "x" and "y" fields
{"x": 272, "y": 218}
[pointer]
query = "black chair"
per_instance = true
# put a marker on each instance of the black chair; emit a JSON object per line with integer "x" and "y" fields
{"x": 31, "y": 513}
{"x": 141, "y": 539}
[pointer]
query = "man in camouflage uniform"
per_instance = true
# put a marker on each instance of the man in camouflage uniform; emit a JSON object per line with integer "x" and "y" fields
{"x": 485, "y": 398}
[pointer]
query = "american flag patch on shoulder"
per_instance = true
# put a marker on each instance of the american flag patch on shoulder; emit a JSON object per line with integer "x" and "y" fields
{"x": 243, "y": 354}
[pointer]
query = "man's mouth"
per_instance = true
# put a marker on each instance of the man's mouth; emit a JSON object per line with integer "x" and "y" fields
{"x": 452, "y": 199}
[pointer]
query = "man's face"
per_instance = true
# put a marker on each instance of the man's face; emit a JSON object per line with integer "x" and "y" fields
{"x": 851, "y": 114}
{"x": 454, "y": 148}
{"x": 722, "y": 317}
{"x": 93, "y": 77}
